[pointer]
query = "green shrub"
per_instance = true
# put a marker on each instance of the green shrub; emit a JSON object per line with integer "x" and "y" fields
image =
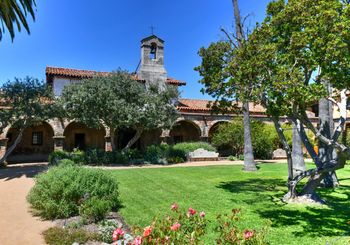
{"x": 236, "y": 158}
{"x": 188, "y": 147}
{"x": 61, "y": 236}
{"x": 66, "y": 162}
{"x": 106, "y": 228}
{"x": 94, "y": 209}
{"x": 60, "y": 192}
{"x": 76, "y": 156}
{"x": 157, "y": 154}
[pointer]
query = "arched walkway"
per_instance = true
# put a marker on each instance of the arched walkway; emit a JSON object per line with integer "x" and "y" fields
{"x": 184, "y": 131}
{"x": 224, "y": 150}
{"x": 78, "y": 135}
{"x": 214, "y": 128}
{"x": 35, "y": 146}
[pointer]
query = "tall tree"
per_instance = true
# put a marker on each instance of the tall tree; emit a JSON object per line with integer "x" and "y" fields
{"x": 14, "y": 13}
{"x": 285, "y": 59}
{"x": 249, "y": 164}
{"x": 26, "y": 102}
{"x": 119, "y": 101}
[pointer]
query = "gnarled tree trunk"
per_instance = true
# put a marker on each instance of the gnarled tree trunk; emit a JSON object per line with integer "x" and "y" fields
{"x": 134, "y": 139}
{"x": 10, "y": 149}
{"x": 297, "y": 152}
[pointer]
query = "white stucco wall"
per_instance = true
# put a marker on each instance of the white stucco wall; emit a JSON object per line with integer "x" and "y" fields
{"x": 59, "y": 83}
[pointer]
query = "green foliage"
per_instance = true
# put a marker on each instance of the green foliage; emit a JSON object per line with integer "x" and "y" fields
{"x": 65, "y": 189}
{"x": 236, "y": 158}
{"x": 61, "y": 236}
{"x": 65, "y": 162}
{"x": 163, "y": 154}
{"x": 264, "y": 138}
{"x": 120, "y": 101}
{"x": 94, "y": 209}
{"x": 13, "y": 14}
{"x": 76, "y": 156}
{"x": 106, "y": 230}
{"x": 157, "y": 154}
{"x": 188, "y": 147}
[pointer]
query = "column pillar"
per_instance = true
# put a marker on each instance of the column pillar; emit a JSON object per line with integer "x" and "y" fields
{"x": 58, "y": 142}
{"x": 3, "y": 146}
{"x": 165, "y": 136}
{"x": 108, "y": 143}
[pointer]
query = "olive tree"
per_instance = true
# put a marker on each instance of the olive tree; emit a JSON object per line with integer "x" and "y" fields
{"x": 119, "y": 101}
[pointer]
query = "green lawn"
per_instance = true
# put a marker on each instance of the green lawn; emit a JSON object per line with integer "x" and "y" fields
{"x": 146, "y": 193}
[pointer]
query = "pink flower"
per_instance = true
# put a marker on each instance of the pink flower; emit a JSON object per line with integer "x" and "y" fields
{"x": 248, "y": 234}
{"x": 117, "y": 234}
{"x": 147, "y": 231}
{"x": 137, "y": 241}
{"x": 175, "y": 226}
{"x": 202, "y": 214}
{"x": 174, "y": 206}
{"x": 191, "y": 212}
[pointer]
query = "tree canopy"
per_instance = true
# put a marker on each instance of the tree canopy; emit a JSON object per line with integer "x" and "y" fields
{"x": 283, "y": 63}
{"x": 119, "y": 101}
{"x": 24, "y": 102}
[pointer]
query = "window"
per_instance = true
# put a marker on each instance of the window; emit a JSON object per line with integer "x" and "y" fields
{"x": 153, "y": 52}
{"x": 37, "y": 138}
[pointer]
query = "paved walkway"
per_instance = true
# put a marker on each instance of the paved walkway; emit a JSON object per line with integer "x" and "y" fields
{"x": 17, "y": 225}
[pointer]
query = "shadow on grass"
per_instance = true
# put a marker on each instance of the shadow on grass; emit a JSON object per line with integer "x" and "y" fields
{"x": 264, "y": 197}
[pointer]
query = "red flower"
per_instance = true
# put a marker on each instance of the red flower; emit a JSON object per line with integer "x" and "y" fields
{"x": 137, "y": 241}
{"x": 147, "y": 231}
{"x": 175, "y": 226}
{"x": 117, "y": 234}
{"x": 248, "y": 234}
{"x": 174, "y": 206}
{"x": 191, "y": 212}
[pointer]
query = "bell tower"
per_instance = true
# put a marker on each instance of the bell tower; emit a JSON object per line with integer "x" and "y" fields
{"x": 152, "y": 60}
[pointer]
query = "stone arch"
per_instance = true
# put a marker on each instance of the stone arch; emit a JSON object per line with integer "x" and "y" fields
{"x": 36, "y": 144}
{"x": 78, "y": 135}
{"x": 185, "y": 131}
{"x": 214, "y": 127}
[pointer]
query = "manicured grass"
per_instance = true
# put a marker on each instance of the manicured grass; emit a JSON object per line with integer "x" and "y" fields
{"x": 146, "y": 193}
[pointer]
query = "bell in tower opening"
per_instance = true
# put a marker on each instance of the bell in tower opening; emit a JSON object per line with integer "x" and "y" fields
{"x": 152, "y": 68}
{"x": 153, "y": 51}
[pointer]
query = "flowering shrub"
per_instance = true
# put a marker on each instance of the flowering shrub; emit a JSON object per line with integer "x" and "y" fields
{"x": 231, "y": 234}
{"x": 189, "y": 227}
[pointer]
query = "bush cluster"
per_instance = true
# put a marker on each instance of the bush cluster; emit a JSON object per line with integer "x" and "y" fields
{"x": 67, "y": 190}
{"x": 95, "y": 157}
{"x": 163, "y": 154}
{"x": 264, "y": 138}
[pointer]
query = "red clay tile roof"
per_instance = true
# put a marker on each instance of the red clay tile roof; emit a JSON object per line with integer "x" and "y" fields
{"x": 81, "y": 74}
{"x": 188, "y": 105}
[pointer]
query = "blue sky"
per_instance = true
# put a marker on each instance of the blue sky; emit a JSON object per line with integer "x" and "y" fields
{"x": 104, "y": 35}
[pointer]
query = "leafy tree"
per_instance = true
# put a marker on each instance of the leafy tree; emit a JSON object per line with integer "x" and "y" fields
{"x": 285, "y": 59}
{"x": 119, "y": 101}
{"x": 26, "y": 102}
{"x": 264, "y": 138}
{"x": 13, "y": 13}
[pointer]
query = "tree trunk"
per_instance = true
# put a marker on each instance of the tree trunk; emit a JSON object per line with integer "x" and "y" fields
{"x": 134, "y": 139}
{"x": 297, "y": 152}
{"x": 249, "y": 164}
{"x": 326, "y": 153}
{"x": 12, "y": 147}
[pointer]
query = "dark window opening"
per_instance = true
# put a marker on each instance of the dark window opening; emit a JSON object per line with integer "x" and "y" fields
{"x": 37, "y": 138}
{"x": 153, "y": 52}
{"x": 79, "y": 141}
{"x": 348, "y": 104}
